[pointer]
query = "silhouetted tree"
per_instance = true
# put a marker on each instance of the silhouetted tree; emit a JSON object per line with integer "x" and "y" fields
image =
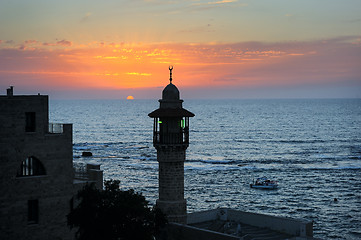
{"x": 114, "y": 214}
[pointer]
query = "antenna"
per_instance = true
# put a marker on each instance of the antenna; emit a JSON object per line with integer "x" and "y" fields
{"x": 170, "y": 70}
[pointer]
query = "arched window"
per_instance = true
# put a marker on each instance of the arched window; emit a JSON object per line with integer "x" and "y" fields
{"x": 31, "y": 166}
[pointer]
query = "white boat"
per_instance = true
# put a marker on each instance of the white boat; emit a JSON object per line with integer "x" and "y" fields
{"x": 264, "y": 183}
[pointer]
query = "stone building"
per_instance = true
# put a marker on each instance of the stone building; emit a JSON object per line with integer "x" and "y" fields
{"x": 37, "y": 182}
{"x": 171, "y": 139}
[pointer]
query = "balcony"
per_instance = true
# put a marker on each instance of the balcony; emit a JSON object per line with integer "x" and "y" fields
{"x": 171, "y": 138}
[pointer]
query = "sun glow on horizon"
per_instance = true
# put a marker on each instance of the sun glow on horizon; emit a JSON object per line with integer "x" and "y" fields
{"x": 140, "y": 66}
{"x": 130, "y": 97}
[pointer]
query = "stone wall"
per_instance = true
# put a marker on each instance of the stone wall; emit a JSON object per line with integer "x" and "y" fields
{"x": 53, "y": 191}
{"x": 171, "y": 183}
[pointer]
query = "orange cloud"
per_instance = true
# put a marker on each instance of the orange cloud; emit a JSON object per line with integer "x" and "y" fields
{"x": 139, "y": 74}
{"x": 101, "y": 65}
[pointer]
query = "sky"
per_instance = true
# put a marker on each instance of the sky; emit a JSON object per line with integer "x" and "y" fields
{"x": 87, "y": 49}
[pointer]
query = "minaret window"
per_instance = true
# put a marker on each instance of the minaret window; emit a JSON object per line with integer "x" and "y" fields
{"x": 183, "y": 123}
{"x": 31, "y": 166}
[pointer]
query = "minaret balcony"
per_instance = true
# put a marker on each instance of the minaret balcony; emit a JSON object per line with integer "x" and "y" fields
{"x": 171, "y": 138}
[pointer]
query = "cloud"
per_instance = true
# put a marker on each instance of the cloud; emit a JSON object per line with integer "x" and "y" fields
{"x": 215, "y": 3}
{"x": 30, "y": 42}
{"x": 200, "y": 29}
{"x": 7, "y": 41}
{"x": 63, "y": 43}
{"x": 356, "y": 20}
{"x": 232, "y": 65}
{"x": 139, "y": 74}
{"x": 86, "y": 17}
{"x": 27, "y": 44}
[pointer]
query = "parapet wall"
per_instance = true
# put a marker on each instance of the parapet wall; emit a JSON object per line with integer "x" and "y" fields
{"x": 176, "y": 231}
{"x": 95, "y": 175}
{"x": 290, "y": 226}
{"x": 88, "y": 175}
{"x": 281, "y": 224}
{"x": 204, "y": 216}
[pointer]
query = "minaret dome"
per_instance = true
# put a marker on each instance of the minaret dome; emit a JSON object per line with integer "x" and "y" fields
{"x": 170, "y": 92}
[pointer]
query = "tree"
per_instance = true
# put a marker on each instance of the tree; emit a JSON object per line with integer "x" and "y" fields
{"x": 114, "y": 214}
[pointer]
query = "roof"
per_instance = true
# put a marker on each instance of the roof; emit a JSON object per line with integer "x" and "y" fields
{"x": 241, "y": 230}
{"x": 170, "y": 112}
{"x": 170, "y": 92}
{"x": 248, "y": 225}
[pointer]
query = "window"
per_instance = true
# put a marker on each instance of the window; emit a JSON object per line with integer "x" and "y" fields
{"x": 33, "y": 211}
{"x": 71, "y": 204}
{"x": 31, "y": 166}
{"x": 30, "y": 122}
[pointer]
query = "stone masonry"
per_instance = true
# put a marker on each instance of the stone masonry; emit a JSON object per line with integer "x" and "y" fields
{"x": 171, "y": 183}
{"x": 36, "y": 170}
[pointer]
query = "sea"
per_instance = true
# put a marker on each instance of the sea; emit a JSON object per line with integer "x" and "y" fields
{"x": 312, "y": 147}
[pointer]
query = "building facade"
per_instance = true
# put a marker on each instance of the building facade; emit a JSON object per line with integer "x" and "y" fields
{"x": 36, "y": 169}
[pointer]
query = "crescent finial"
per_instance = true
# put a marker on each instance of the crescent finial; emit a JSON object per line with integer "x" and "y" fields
{"x": 170, "y": 73}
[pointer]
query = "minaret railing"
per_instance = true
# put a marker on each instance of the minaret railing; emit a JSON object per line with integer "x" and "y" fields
{"x": 180, "y": 137}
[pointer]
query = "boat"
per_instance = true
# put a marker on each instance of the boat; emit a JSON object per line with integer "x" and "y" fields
{"x": 264, "y": 183}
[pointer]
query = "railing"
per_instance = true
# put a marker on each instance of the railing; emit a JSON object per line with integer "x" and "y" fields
{"x": 171, "y": 138}
{"x": 80, "y": 171}
{"x": 56, "y": 128}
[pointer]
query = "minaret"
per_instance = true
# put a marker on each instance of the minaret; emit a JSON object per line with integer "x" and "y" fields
{"x": 171, "y": 139}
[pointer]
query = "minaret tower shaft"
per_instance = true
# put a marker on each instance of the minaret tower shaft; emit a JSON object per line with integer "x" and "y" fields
{"x": 171, "y": 139}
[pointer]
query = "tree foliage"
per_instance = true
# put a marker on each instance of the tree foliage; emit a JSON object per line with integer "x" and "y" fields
{"x": 114, "y": 214}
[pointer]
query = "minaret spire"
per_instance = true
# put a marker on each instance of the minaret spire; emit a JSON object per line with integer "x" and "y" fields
{"x": 170, "y": 73}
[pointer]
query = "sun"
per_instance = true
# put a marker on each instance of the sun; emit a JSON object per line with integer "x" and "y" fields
{"x": 130, "y": 97}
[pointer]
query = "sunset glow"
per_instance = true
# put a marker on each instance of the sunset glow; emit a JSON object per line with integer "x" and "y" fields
{"x": 76, "y": 63}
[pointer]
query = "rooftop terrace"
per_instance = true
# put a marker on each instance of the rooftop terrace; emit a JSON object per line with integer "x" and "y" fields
{"x": 229, "y": 224}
